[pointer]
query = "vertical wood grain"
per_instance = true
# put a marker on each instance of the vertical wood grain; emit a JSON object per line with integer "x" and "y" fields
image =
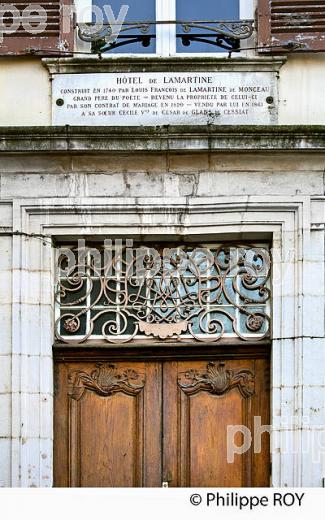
{"x": 162, "y": 432}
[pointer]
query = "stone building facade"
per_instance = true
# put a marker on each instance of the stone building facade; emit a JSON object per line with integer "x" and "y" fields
{"x": 176, "y": 184}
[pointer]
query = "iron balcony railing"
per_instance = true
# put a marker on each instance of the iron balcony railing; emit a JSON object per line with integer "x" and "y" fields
{"x": 224, "y": 34}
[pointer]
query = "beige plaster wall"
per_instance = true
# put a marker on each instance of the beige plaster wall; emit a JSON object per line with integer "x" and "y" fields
{"x": 25, "y": 91}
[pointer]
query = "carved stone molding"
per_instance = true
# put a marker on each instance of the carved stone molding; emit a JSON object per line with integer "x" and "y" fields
{"x": 218, "y": 380}
{"x": 190, "y": 64}
{"x": 211, "y": 138}
{"x": 105, "y": 380}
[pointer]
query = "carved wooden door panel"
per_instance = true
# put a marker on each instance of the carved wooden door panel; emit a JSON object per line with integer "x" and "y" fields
{"x": 139, "y": 424}
{"x": 107, "y": 425}
{"x": 201, "y": 400}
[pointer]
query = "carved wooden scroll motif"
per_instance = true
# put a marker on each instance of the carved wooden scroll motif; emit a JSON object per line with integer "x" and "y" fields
{"x": 218, "y": 380}
{"x": 105, "y": 380}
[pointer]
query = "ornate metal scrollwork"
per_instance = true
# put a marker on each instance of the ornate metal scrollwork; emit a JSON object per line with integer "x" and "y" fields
{"x": 189, "y": 292}
{"x": 105, "y": 380}
{"x": 224, "y": 34}
{"x": 218, "y": 380}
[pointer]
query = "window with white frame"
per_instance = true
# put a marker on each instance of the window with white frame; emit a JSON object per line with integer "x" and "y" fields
{"x": 169, "y": 27}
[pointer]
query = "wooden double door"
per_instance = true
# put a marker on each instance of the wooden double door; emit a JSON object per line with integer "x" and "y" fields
{"x": 154, "y": 423}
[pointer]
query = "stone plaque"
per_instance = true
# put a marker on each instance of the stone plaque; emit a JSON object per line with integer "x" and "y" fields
{"x": 158, "y": 98}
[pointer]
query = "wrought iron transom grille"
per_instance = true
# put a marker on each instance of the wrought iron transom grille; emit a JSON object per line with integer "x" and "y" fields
{"x": 205, "y": 292}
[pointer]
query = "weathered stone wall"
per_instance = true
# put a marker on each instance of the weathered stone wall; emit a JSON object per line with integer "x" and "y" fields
{"x": 263, "y": 192}
{"x": 6, "y": 350}
{"x": 162, "y": 175}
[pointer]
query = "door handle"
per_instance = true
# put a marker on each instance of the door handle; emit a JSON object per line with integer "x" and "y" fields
{"x": 168, "y": 478}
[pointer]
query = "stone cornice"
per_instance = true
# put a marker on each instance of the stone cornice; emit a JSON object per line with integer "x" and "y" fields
{"x": 180, "y": 139}
{"x": 117, "y": 63}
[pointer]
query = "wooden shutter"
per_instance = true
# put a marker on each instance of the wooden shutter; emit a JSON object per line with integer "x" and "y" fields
{"x": 56, "y": 39}
{"x": 291, "y": 25}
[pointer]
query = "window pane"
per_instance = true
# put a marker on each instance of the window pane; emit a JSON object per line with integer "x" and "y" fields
{"x": 190, "y": 10}
{"x": 139, "y": 10}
